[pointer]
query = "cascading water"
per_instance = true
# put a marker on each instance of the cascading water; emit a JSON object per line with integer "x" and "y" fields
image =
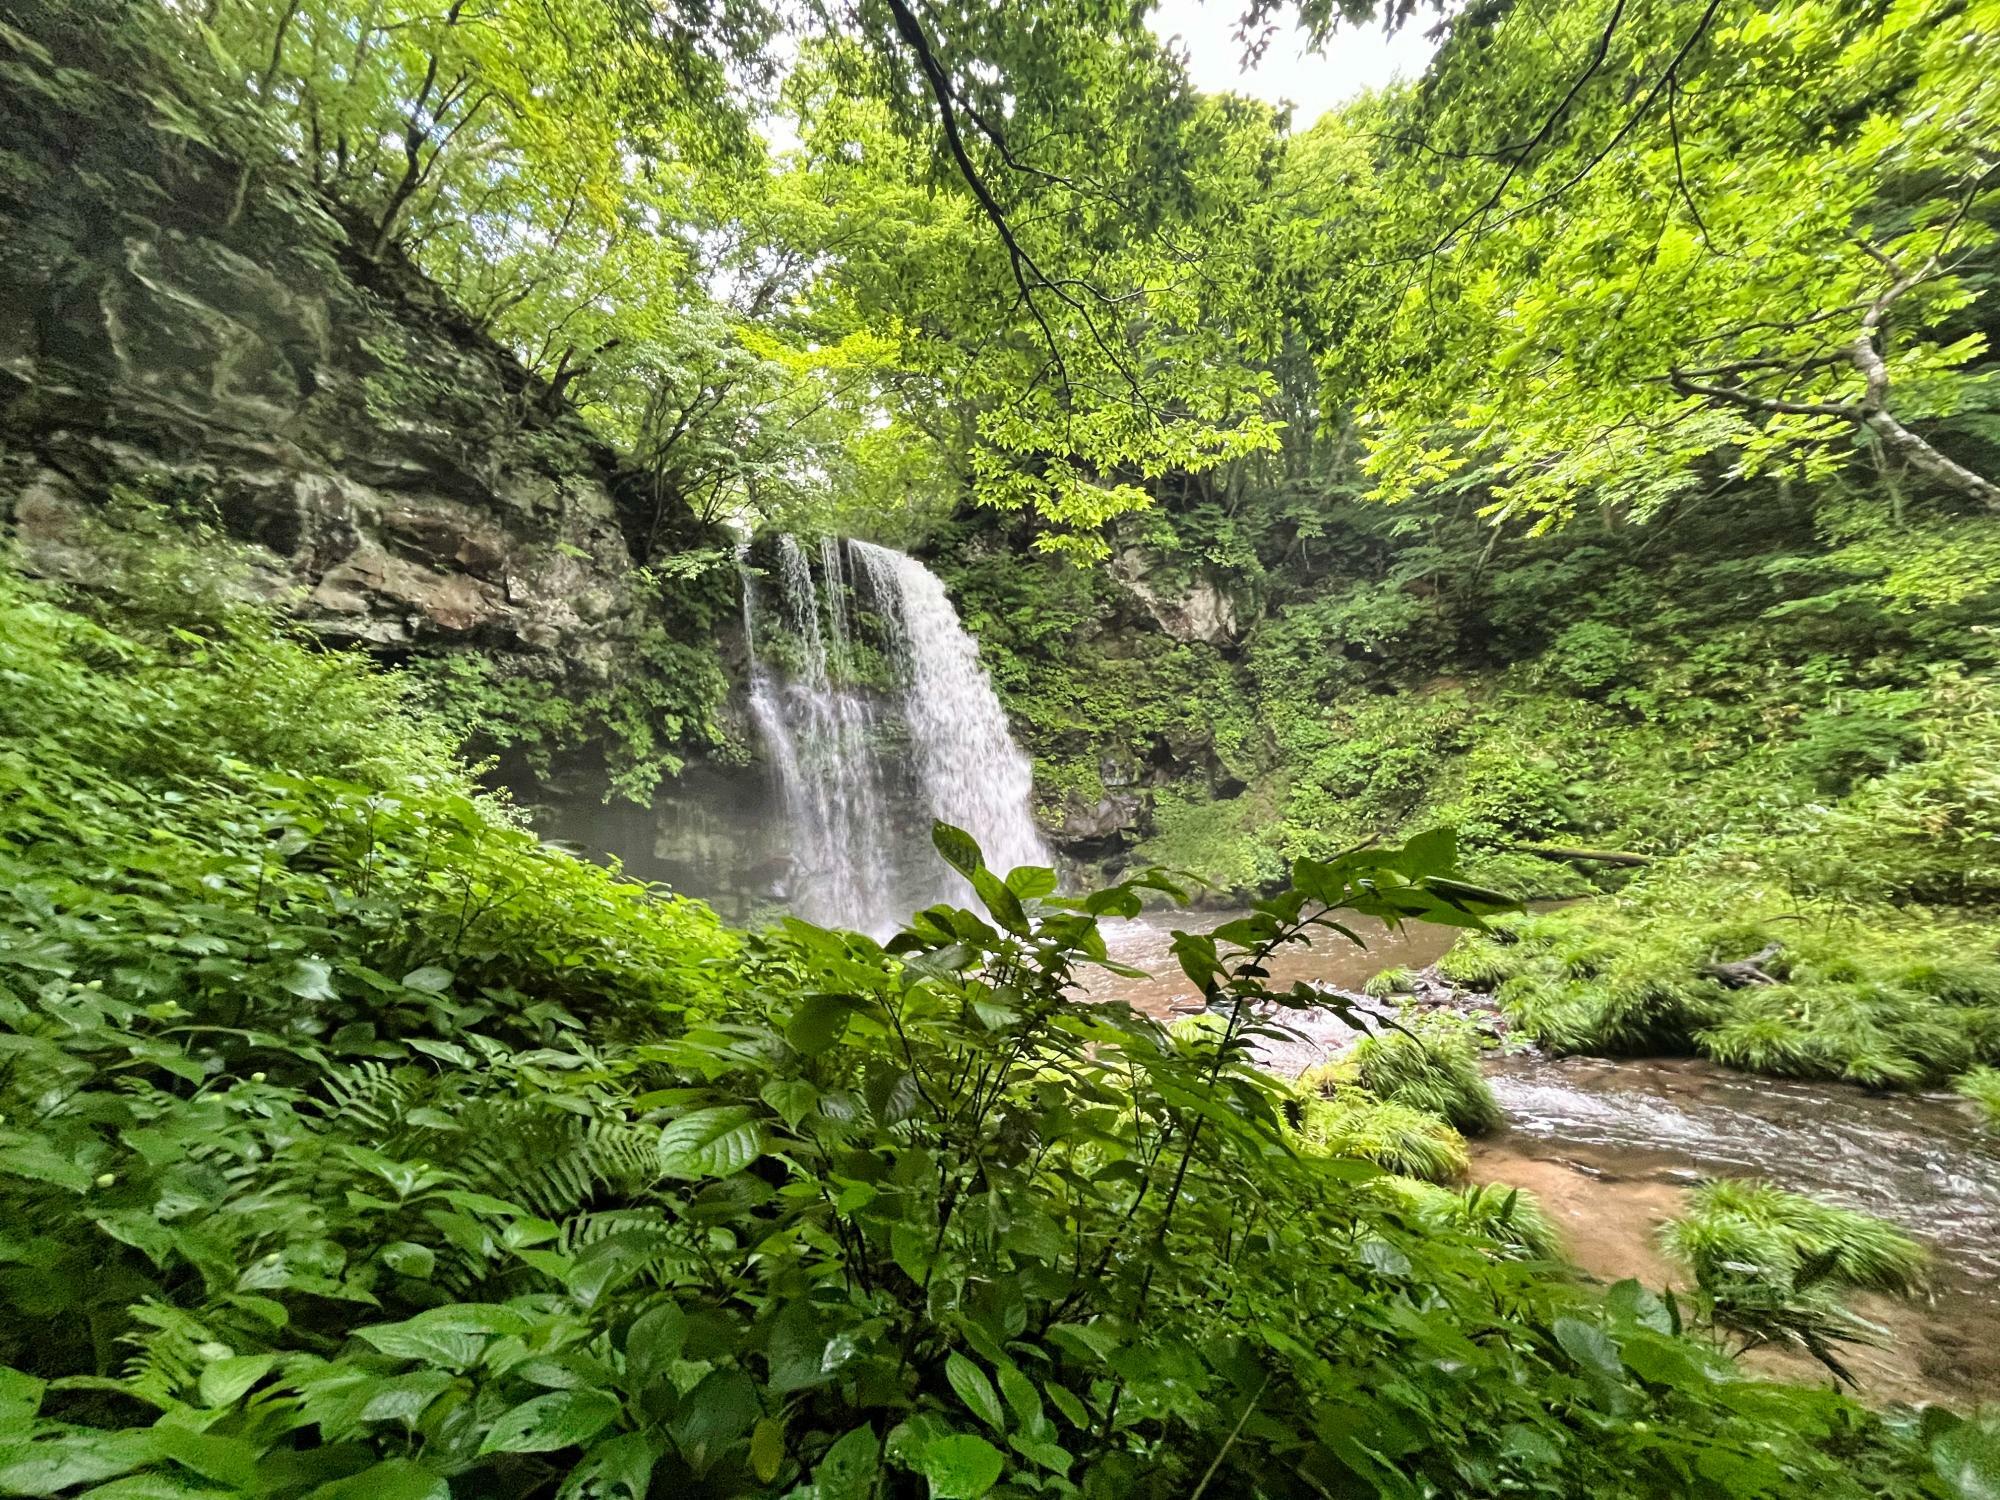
{"x": 974, "y": 775}
{"x": 862, "y": 769}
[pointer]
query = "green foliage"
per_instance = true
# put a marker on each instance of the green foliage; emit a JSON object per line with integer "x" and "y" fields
{"x": 1682, "y": 281}
{"x": 1475, "y": 962}
{"x": 1735, "y": 1221}
{"x": 1771, "y": 1264}
{"x": 1646, "y": 973}
{"x": 1399, "y": 1138}
{"x": 1509, "y": 1217}
{"x": 1982, "y": 1087}
{"x": 1430, "y": 1063}
{"x": 1218, "y": 842}
{"x": 1385, "y": 983}
{"x": 355, "y": 1144}
{"x": 663, "y": 705}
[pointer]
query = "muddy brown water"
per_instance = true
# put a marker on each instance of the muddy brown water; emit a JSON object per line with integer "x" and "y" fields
{"x": 1611, "y": 1146}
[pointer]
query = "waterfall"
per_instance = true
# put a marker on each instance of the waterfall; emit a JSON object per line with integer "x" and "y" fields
{"x": 974, "y": 775}
{"x": 861, "y": 767}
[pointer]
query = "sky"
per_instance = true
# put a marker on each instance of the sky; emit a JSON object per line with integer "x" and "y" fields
{"x": 1358, "y": 58}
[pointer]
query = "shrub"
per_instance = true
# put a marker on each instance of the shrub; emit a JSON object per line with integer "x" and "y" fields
{"x": 1770, "y": 1265}
{"x": 1433, "y": 1066}
{"x": 1638, "y": 974}
{"x": 1396, "y": 1137}
{"x": 1384, "y": 983}
{"x": 1734, "y": 1226}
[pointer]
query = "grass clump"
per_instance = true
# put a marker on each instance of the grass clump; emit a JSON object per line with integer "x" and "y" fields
{"x": 1510, "y": 1217}
{"x": 1434, "y": 1066}
{"x": 1982, "y": 1087}
{"x": 1751, "y": 986}
{"x": 1396, "y": 1137}
{"x": 1744, "y": 1228}
{"x": 1772, "y": 1265}
{"x": 1389, "y": 983}
{"x": 1476, "y": 962}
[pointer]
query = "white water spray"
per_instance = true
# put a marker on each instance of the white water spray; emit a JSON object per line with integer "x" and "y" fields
{"x": 973, "y": 773}
{"x": 860, "y": 785}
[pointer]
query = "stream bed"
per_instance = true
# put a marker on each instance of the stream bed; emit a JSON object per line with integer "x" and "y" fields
{"x": 1610, "y": 1146}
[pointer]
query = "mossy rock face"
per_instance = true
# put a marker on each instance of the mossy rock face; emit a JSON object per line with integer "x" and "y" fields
{"x": 401, "y": 479}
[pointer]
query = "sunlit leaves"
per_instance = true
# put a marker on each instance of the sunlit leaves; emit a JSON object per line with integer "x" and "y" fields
{"x": 1548, "y": 342}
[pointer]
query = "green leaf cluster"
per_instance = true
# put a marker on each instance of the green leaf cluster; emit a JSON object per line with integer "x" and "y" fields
{"x": 352, "y": 1143}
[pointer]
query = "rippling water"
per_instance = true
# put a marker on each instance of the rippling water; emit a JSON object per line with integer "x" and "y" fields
{"x": 1919, "y": 1160}
{"x": 1618, "y": 1138}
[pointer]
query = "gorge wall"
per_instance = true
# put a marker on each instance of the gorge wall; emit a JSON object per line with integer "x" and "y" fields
{"x": 175, "y": 323}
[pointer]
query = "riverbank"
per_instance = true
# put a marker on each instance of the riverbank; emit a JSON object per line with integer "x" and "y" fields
{"x": 1611, "y": 1147}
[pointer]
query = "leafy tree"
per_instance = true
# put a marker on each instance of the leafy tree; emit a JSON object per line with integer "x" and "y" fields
{"x": 1736, "y": 241}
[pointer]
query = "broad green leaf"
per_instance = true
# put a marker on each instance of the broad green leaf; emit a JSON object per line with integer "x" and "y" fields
{"x": 1589, "y": 1346}
{"x": 1967, "y": 1459}
{"x": 48, "y": 1466}
{"x": 792, "y": 1099}
{"x": 393, "y": 1479}
{"x": 819, "y": 1023}
{"x": 1031, "y": 881}
{"x": 561, "y": 1419}
{"x": 767, "y": 1448}
{"x": 959, "y": 848}
{"x": 20, "y": 1397}
{"x": 975, "y": 1390}
{"x": 1433, "y": 852}
{"x": 797, "y": 1348}
{"x": 310, "y": 979}
{"x": 430, "y": 979}
{"x": 1042, "y": 1450}
{"x": 715, "y": 1415}
{"x": 961, "y": 1466}
{"x": 1021, "y": 1395}
{"x": 409, "y": 1259}
{"x": 224, "y": 1381}
{"x": 226, "y": 1460}
{"x": 716, "y": 1142}
{"x": 1004, "y": 905}
{"x": 452, "y": 1349}
{"x": 1196, "y": 954}
{"x": 849, "y": 1470}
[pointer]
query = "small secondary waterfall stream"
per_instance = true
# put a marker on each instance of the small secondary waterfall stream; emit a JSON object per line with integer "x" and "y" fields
{"x": 876, "y": 716}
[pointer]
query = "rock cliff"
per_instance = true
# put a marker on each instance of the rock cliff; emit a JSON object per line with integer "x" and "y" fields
{"x": 174, "y": 323}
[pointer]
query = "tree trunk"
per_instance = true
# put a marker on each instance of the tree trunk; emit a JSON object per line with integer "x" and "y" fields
{"x": 1926, "y": 460}
{"x": 1600, "y": 856}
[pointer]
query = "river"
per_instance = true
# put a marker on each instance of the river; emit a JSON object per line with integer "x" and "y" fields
{"x": 1611, "y": 1145}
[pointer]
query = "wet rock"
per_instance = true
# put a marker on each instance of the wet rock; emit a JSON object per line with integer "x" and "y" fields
{"x": 1198, "y": 610}
{"x": 1113, "y": 813}
{"x": 397, "y": 475}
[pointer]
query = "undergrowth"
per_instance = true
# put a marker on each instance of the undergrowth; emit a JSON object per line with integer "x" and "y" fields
{"x": 1430, "y": 1064}
{"x": 353, "y": 1143}
{"x": 1892, "y": 999}
{"x": 1982, "y": 1087}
